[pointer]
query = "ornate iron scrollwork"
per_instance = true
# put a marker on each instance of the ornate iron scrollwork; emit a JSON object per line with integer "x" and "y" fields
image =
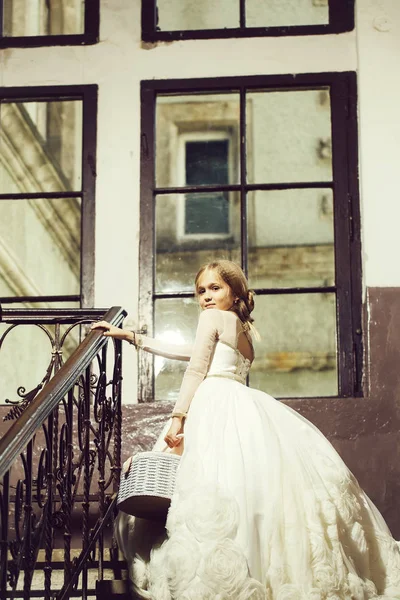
{"x": 64, "y": 483}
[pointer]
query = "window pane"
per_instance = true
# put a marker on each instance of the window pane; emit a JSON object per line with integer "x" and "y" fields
{"x": 192, "y": 229}
{"x": 41, "y": 146}
{"x": 43, "y": 17}
{"x": 197, "y": 140}
{"x": 40, "y": 247}
{"x": 200, "y": 14}
{"x": 175, "y": 322}
{"x": 174, "y": 15}
{"x": 207, "y": 162}
{"x": 297, "y": 353}
{"x": 281, "y": 13}
{"x": 288, "y": 136}
{"x": 291, "y": 238}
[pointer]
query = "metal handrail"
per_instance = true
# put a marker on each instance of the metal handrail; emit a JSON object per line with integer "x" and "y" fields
{"x": 24, "y": 428}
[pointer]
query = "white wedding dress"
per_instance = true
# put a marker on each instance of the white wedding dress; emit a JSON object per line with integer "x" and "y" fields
{"x": 264, "y": 509}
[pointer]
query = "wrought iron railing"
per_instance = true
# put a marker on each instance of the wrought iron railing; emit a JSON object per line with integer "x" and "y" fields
{"x": 60, "y": 461}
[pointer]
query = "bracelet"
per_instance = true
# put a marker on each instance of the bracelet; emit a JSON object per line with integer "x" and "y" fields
{"x": 133, "y": 340}
{"x": 179, "y": 415}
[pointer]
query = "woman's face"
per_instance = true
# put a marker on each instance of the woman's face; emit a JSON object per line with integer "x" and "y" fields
{"x": 213, "y": 292}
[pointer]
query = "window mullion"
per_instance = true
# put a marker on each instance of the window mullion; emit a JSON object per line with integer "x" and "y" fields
{"x": 243, "y": 194}
{"x": 242, "y": 15}
{"x": 341, "y": 15}
{"x": 1, "y": 18}
{"x": 342, "y": 229}
{"x": 147, "y": 252}
{"x": 89, "y": 119}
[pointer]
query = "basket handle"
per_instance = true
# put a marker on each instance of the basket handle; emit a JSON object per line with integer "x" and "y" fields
{"x": 176, "y": 450}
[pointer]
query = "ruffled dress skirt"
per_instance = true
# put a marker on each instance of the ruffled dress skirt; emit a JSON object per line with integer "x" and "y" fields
{"x": 264, "y": 509}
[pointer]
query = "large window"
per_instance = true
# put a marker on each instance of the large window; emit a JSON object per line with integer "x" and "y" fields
{"x": 48, "y": 22}
{"x": 193, "y": 19}
{"x": 263, "y": 171}
{"x": 47, "y": 179}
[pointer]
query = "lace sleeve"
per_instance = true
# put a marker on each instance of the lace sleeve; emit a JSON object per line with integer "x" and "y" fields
{"x": 208, "y": 331}
{"x": 165, "y": 349}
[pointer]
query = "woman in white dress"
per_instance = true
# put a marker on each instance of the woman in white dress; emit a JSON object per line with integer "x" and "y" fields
{"x": 264, "y": 507}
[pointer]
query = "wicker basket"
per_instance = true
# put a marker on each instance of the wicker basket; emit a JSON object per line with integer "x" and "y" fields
{"x": 146, "y": 490}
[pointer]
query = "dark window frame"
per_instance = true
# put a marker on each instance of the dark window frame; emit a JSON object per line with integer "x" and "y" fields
{"x": 88, "y": 37}
{"x": 348, "y": 285}
{"x": 88, "y": 95}
{"x": 341, "y": 19}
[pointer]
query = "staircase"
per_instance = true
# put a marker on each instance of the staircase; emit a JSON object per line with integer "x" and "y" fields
{"x": 60, "y": 461}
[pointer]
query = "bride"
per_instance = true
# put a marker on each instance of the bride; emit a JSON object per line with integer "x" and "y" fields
{"x": 264, "y": 507}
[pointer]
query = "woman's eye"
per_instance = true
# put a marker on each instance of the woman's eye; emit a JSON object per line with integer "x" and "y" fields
{"x": 215, "y": 288}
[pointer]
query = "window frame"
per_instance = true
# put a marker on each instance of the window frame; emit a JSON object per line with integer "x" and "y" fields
{"x": 88, "y": 95}
{"x": 348, "y": 285}
{"x": 90, "y": 35}
{"x": 341, "y": 19}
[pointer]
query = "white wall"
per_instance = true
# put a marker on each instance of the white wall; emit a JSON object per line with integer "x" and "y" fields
{"x": 378, "y": 41}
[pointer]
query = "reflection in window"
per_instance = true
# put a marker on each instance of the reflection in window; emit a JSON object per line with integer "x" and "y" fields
{"x": 42, "y": 146}
{"x": 174, "y": 329}
{"x": 206, "y": 163}
{"x": 42, "y": 241}
{"x": 29, "y": 18}
{"x": 285, "y": 222}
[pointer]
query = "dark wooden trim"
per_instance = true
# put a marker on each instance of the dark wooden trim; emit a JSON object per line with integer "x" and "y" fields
{"x": 92, "y": 22}
{"x": 89, "y": 174}
{"x": 89, "y": 37}
{"x": 42, "y": 93}
{"x": 242, "y": 14}
{"x": 36, "y": 41}
{"x": 19, "y": 316}
{"x": 355, "y": 240}
{"x": 52, "y": 299}
{"x": 1, "y": 18}
{"x": 339, "y": 113}
{"x": 147, "y": 242}
{"x": 284, "y": 82}
{"x": 42, "y": 196}
{"x": 243, "y": 179}
{"x": 341, "y": 15}
{"x": 248, "y": 187}
{"x": 258, "y": 291}
{"x": 341, "y": 19}
{"x": 149, "y": 19}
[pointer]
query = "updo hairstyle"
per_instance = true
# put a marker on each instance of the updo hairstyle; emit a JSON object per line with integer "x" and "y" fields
{"x": 233, "y": 275}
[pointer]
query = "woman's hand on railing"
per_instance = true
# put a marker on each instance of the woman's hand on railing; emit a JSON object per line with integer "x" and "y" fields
{"x": 112, "y": 331}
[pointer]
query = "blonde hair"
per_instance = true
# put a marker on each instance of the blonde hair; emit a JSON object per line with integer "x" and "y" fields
{"x": 232, "y": 274}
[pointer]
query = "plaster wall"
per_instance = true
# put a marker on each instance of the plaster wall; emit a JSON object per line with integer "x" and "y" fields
{"x": 378, "y": 50}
